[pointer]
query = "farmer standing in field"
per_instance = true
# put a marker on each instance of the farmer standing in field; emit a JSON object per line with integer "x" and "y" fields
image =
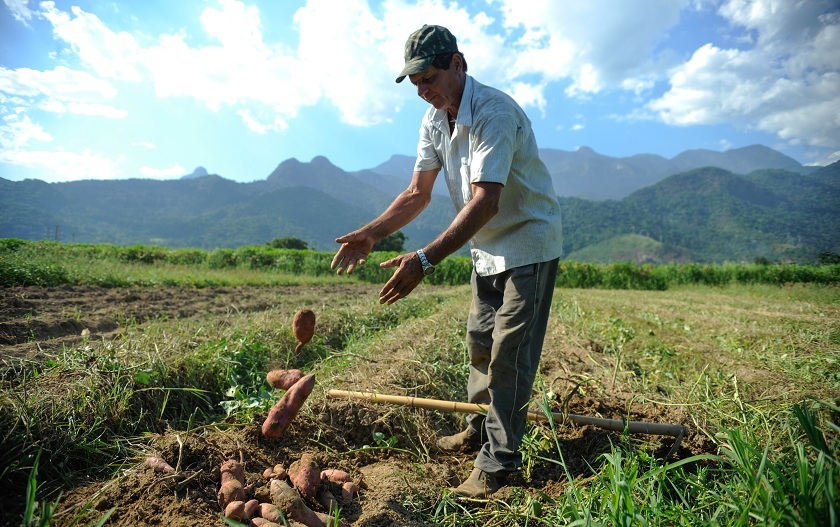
{"x": 507, "y": 210}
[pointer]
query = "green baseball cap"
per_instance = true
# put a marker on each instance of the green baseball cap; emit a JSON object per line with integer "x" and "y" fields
{"x": 422, "y": 46}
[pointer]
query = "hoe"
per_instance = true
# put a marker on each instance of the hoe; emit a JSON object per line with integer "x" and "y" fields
{"x": 617, "y": 425}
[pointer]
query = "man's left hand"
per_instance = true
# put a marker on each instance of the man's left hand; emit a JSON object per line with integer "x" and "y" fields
{"x": 408, "y": 275}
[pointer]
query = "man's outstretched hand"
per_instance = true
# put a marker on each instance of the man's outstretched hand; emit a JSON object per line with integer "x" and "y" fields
{"x": 408, "y": 275}
{"x": 355, "y": 248}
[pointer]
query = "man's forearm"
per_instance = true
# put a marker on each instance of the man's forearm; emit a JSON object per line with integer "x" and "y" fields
{"x": 405, "y": 207}
{"x": 466, "y": 224}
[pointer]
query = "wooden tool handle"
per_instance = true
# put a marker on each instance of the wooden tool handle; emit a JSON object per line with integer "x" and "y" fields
{"x": 618, "y": 425}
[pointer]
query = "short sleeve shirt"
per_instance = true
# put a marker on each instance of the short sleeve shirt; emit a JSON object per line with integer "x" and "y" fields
{"x": 493, "y": 142}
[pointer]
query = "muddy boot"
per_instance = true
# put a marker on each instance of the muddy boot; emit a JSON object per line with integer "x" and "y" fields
{"x": 466, "y": 441}
{"x": 479, "y": 485}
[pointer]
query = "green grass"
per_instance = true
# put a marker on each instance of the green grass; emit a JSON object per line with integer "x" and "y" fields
{"x": 52, "y": 263}
{"x": 754, "y": 368}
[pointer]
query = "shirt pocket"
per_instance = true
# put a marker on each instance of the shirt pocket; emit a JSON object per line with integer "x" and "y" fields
{"x": 466, "y": 186}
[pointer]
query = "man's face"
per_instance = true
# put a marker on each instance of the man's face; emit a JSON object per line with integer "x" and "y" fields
{"x": 440, "y": 88}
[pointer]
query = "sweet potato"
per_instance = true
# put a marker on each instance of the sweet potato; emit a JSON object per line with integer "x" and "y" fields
{"x": 283, "y": 379}
{"x": 306, "y": 477}
{"x": 262, "y": 522}
{"x": 290, "y": 502}
{"x": 277, "y": 471}
{"x": 328, "y": 501}
{"x": 270, "y": 512}
{"x": 251, "y": 509}
{"x": 232, "y": 475}
{"x": 329, "y": 521}
{"x": 303, "y": 326}
{"x": 158, "y": 465}
{"x": 287, "y": 407}
{"x": 235, "y": 510}
{"x": 349, "y": 491}
{"x": 335, "y": 475}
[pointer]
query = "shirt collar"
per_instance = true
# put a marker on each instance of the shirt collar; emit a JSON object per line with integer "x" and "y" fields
{"x": 464, "y": 110}
{"x": 465, "y": 117}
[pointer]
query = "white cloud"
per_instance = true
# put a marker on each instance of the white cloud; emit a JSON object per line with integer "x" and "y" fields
{"x": 243, "y": 70}
{"x": 825, "y": 160}
{"x": 20, "y": 9}
{"x": 17, "y": 131}
{"x": 79, "y": 108}
{"x": 144, "y": 144}
{"x": 262, "y": 123}
{"x": 543, "y": 42}
{"x": 787, "y": 83}
{"x": 163, "y": 173}
{"x": 58, "y": 165}
{"x": 109, "y": 54}
{"x": 782, "y": 78}
{"x": 61, "y": 83}
{"x": 598, "y": 43}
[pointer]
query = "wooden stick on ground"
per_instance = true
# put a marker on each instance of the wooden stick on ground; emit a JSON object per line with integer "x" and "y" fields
{"x": 617, "y": 425}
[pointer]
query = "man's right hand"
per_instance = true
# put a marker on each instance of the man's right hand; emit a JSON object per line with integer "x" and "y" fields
{"x": 354, "y": 250}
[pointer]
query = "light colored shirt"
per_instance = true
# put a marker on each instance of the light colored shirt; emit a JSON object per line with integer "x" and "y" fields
{"x": 493, "y": 142}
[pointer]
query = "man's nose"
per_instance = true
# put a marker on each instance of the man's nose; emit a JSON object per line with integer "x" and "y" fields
{"x": 422, "y": 90}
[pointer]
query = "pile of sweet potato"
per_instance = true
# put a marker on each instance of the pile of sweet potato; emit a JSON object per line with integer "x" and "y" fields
{"x": 303, "y": 494}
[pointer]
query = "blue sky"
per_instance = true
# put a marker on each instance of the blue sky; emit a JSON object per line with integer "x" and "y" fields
{"x": 95, "y": 89}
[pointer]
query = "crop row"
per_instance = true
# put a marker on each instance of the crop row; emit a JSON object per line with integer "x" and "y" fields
{"x": 45, "y": 263}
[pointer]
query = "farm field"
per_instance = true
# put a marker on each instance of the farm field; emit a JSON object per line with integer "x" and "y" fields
{"x": 96, "y": 379}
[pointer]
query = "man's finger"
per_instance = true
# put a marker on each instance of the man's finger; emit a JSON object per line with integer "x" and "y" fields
{"x": 346, "y": 238}
{"x": 337, "y": 259}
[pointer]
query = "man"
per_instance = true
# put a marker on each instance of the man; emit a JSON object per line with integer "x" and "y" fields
{"x": 510, "y": 215}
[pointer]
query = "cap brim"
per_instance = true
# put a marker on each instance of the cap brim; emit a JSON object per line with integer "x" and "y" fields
{"x": 415, "y": 66}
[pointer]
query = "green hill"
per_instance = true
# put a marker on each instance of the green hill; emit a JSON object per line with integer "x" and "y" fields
{"x": 631, "y": 248}
{"x": 705, "y": 215}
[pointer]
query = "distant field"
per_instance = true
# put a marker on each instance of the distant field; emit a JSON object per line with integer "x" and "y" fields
{"x": 123, "y": 358}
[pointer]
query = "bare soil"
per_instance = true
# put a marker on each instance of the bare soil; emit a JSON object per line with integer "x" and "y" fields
{"x": 37, "y": 322}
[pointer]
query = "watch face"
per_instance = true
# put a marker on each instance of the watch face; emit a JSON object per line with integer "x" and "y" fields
{"x": 429, "y": 270}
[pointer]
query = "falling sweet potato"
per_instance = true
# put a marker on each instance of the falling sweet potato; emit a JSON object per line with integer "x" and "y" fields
{"x": 306, "y": 477}
{"x": 232, "y": 475}
{"x": 286, "y": 409}
{"x": 283, "y": 379}
{"x": 290, "y": 502}
{"x": 303, "y": 326}
{"x": 158, "y": 465}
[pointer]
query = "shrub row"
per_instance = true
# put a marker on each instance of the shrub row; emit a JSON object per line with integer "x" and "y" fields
{"x": 38, "y": 263}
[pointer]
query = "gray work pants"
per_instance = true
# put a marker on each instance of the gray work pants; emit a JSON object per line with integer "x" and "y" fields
{"x": 505, "y": 332}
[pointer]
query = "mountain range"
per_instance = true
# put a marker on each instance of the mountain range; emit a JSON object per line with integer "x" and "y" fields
{"x": 701, "y": 206}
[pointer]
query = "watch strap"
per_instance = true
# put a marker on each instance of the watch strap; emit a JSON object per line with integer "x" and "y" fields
{"x": 428, "y": 268}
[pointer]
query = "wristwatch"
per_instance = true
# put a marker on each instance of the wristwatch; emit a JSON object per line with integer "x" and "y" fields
{"x": 427, "y": 267}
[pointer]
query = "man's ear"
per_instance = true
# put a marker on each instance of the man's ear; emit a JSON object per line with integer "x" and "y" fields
{"x": 457, "y": 63}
